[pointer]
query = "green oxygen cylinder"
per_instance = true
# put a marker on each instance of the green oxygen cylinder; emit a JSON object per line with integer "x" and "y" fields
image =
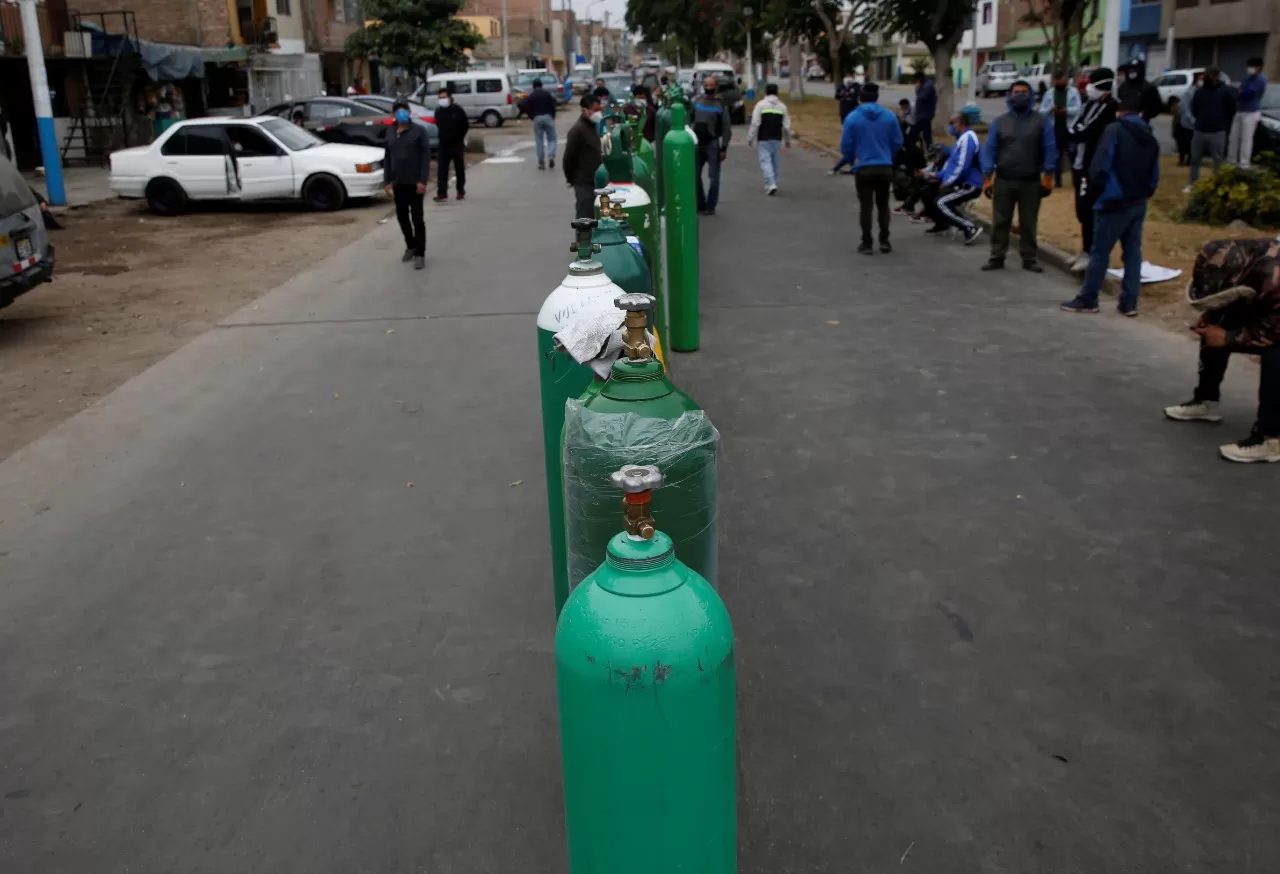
{"x": 661, "y": 127}
{"x": 637, "y": 413}
{"x": 622, "y": 263}
{"x": 561, "y": 378}
{"x": 638, "y": 219}
{"x": 646, "y": 681}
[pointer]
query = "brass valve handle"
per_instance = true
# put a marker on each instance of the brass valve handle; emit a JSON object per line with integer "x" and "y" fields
{"x": 637, "y": 483}
{"x": 635, "y": 327}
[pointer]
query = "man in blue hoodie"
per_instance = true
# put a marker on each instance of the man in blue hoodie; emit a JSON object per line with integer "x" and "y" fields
{"x": 870, "y": 139}
{"x": 1021, "y": 148}
{"x": 1125, "y": 172}
{"x": 1248, "y": 114}
{"x": 926, "y": 108}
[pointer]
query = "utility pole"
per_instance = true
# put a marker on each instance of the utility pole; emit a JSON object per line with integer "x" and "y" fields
{"x": 973, "y": 59}
{"x": 506, "y": 47}
{"x": 1111, "y": 35}
{"x": 751, "y": 66}
{"x": 44, "y": 107}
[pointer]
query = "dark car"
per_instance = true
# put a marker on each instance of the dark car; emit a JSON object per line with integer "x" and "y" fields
{"x": 421, "y": 113}
{"x": 1267, "y": 137}
{"x": 339, "y": 120}
{"x": 25, "y": 251}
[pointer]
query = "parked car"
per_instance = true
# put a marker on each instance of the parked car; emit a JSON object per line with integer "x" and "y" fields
{"x": 1267, "y": 136}
{"x": 417, "y": 111}
{"x": 338, "y": 119}
{"x": 485, "y": 95}
{"x": 619, "y": 85}
{"x": 26, "y": 257}
{"x": 262, "y": 158}
{"x": 1172, "y": 83}
{"x": 550, "y": 81}
{"x": 995, "y": 77}
{"x": 815, "y": 73}
{"x": 1037, "y": 75}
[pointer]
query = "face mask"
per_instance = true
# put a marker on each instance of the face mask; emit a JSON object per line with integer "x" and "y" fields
{"x": 1020, "y": 101}
{"x": 951, "y": 129}
{"x": 1252, "y": 71}
{"x": 1132, "y": 76}
{"x": 402, "y": 116}
{"x": 709, "y": 91}
{"x": 445, "y": 101}
{"x": 597, "y": 116}
{"x": 848, "y": 81}
{"x": 1093, "y": 92}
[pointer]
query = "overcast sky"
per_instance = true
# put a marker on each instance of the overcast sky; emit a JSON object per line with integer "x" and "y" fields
{"x": 617, "y": 9}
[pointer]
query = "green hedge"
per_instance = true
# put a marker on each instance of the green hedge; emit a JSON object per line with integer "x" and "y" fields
{"x": 1232, "y": 194}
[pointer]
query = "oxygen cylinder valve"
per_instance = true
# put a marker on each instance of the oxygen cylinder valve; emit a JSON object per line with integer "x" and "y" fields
{"x": 637, "y": 482}
{"x": 604, "y": 194}
{"x": 582, "y": 230}
{"x": 616, "y": 209}
{"x": 635, "y": 333}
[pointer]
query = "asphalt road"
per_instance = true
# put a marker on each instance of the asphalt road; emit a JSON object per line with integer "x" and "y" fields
{"x": 281, "y": 603}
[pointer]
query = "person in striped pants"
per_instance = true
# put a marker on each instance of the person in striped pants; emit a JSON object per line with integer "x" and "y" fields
{"x": 961, "y": 180}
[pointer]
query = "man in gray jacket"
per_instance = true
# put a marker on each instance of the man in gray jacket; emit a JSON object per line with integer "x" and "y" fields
{"x": 711, "y": 127}
{"x": 406, "y": 167}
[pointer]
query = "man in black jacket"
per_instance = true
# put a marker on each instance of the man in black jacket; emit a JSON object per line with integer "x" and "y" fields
{"x": 582, "y": 157}
{"x": 1213, "y": 106}
{"x": 1134, "y": 82}
{"x": 540, "y": 106}
{"x": 451, "y": 122}
{"x": 406, "y": 169}
{"x": 1099, "y": 110}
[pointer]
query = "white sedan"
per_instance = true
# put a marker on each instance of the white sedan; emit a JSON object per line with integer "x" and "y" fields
{"x": 244, "y": 159}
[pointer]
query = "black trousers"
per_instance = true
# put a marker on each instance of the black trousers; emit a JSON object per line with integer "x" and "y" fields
{"x": 447, "y": 156}
{"x": 1213, "y": 367}
{"x": 409, "y": 214}
{"x": 925, "y": 193}
{"x": 922, "y": 129}
{"x": 584, "y": 201}
{"x": 1084, "y": 207}
{"x": 873, "y": 184}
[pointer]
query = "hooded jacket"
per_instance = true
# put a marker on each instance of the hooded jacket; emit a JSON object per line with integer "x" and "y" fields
{"x": 770, "y": 120}
{"x": 1213, "y": 107}
{"x": 1148, "y": 94}
{"x": 451, "y": 122}
{"x": 1126, "y": 168}
{"x": 847, "y": 96}
{"x": 1086, "y": 130}
{"x": 407, "y": 158}
{"x": 871, "y": 137}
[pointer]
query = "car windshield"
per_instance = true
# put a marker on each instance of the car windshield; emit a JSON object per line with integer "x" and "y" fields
{"x": 617, "y": 84}
{"x": 294, "y": 138}
{"x": 1003, "y": 68}
{"x": 1271, "y": 99}
{"x": 526, "y": 80}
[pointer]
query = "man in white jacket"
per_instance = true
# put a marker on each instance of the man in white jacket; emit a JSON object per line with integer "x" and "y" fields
{"x": 770, "y": 130}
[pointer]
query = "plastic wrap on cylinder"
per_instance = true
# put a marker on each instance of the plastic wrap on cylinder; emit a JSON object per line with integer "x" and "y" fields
{"x": 596, "y": 444}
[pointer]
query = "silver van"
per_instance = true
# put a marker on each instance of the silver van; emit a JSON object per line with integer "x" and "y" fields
{"x": 484, "y": 94}
{"x": 26, "y": 258}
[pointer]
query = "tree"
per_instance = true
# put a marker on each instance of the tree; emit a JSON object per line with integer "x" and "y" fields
{"x": 837, "y": 28}
{"x": 1064, "y": 23}
{"x": 419, "y": 35}
{"x": 938, "y": 24}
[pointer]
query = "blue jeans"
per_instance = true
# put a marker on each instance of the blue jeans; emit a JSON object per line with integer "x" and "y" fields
{"x": 544, "y": 128}
{"x": 769, "y": 152}
{"x": 709, "y": 156}
{"x": 1111, "y": 226}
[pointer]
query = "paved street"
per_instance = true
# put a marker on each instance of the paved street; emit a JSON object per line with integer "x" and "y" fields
{"x": 282, "y": 604}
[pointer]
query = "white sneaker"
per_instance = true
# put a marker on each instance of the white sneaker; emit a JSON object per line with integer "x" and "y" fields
{"x": 1252, "y": 449}
{"x": 771, "y": 190}
{"x": 1194, "y": 411}
{"x": 1080, "y": 263}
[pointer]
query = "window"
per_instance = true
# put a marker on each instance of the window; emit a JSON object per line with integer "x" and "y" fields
{"x": 283, "y": 7}
{"x": 249, "y": 142}
{"x": 293, "y": 137}
{"x": 459, "y": 87}
{"x": 489, "y": 86}
{"x": 1171, "y": 79}
{"x": 195, "y": 140}
{"x": 284, "y": 110}
{"x": 986, "y": 13}
{"x": 1187, "y": 4}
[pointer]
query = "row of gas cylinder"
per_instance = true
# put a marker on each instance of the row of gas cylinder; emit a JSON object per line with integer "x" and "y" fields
{"x": 644, "y": 644}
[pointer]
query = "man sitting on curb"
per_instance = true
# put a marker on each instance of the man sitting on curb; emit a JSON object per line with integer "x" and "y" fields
{"x": 1236, "y": 283}
{"x": 961, "y": 180}
{"x": 1125, "y": 173}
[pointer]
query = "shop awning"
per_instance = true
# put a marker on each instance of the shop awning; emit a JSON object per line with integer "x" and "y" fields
{"x": 223, "y": 55}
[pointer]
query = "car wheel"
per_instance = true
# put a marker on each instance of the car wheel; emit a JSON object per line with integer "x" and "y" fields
{"x": 492, "y": 119}
{"x": 166, "y": 197}
{"x": 324, "y": 193}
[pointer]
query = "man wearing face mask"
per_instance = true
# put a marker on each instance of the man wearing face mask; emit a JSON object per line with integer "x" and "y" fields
{"x": 1062, "y": 104}
{"x": 451, "y": 122}
{"x": 1135, "y": 83}
{"x": 406, "y": 168}
{"x": 1248, "y": 114}
{"x": 847, "y": 96}
{"x": 1018, "y": 162}
{"x": 582, "y": 153}
{"x": 1212, "y": 108}
{"x": 1099, "y": 110}
{"x": 711, "y": 127}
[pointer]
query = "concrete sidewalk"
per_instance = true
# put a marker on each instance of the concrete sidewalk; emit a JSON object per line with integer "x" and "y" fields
{"x": 994, "y": 613}
{"x": 282, "y": 603}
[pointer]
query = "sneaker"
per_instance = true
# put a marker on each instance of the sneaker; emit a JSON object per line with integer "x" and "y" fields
{"x": 440, "y": 198}
{"x": 553, "y": 163}
{"x": 1033, "y": 266}
{"x": 866, "y": 249}
{"x": 1076, "y": 305}
{"x": 419, "y": 262}
{"x": 461, "y": 197}
{"x": 885, "y": 247}
{"x": 1187, "y": 190}
{"x": 542, "y": 166}
{"x": 1253, "y": 448}
{"x": 831, "y": 172}
{"x": 937, "y": 229}
{"x": 706, "y": 212}
{"x": 407, "y": 256}
{"x": 918, "y": 217}
{"x": 1080, "y": 263}
{"x": 1194, "y": 411}
{"x": 971, "y": 235}
{"x": 771, "y": 190}
{"x": 994, "y": 264}
{"x": 900, "y": 210}
{"x": 1129, "y": 312}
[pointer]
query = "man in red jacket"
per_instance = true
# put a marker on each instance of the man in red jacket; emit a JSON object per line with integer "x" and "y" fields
{"x": 1236, "y": 284}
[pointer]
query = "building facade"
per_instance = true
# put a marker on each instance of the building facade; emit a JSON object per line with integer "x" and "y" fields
{"x": 1225, "y": 34}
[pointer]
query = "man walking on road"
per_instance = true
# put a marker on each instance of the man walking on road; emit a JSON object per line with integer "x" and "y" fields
{"x": 452, "y": 124}
{"x": 961, "y": 180}
{"x": 870, "y": 139}
{"x": 1212, "y": 107}
{"x": 926, "y": 108}
{"x": 406, "y": 169}
{"x": 1248, "y": 114}
{"x": 1018, "y": 162}
{"x": 711, "y": 127}
{"x": 541, "y": 107}
{"x": 1125, "y": 172}
{"x": 770, "y": 128}
{"x": 582, "y": 156}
